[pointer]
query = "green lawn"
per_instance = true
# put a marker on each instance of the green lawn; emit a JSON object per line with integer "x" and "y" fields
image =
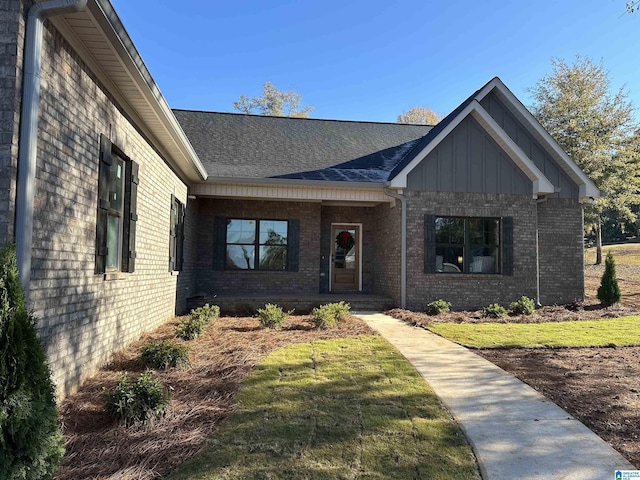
{"x": 334, "y": 409}
{"x": 624, "y": 331}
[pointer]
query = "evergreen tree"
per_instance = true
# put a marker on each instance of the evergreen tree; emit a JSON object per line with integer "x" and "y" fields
{"x": 31, "y": 444}
{"x": 609, "y": 291}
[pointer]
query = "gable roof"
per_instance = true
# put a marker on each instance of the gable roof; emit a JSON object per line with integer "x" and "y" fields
{"x": 232, "y": 145}
{"x": 471, "y": 106}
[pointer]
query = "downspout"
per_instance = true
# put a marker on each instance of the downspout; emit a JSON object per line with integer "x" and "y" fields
{"x": 403, "y": 246}
{"x": 538, "y": 202}
{"x": 28, "y": 139}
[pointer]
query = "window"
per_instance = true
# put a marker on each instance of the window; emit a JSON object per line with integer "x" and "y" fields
{"x": 176, "y": 235}
{"x": 116, "y": 218}
{"x": 254, "y": 244}
{"x": 468, "y": 245}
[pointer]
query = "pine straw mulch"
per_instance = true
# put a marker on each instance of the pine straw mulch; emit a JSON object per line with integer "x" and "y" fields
{"x": 98, "y": 447}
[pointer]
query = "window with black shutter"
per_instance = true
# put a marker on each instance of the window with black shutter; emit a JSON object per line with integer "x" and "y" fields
{"x": 256, "y": 244}
{"x": 176, "y": 235}
{"x": 117, "y": 210}
{"x": 468, "y": 245}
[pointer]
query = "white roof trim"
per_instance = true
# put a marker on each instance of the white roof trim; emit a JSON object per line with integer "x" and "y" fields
{"x": 541, "y": 185}
{"x": 587, "y": 188}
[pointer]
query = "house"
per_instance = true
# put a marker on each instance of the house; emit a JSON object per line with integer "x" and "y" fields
{"x": 124, "y": 211}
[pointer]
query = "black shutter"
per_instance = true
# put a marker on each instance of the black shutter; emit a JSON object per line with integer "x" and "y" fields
{"x": 429, "y": 243}
{"x": 180, "y": 237}
{"x": 219, "y": 242}
{"x": 507, "y": 245}
{"x": 293, "y": 246}
{"x": 173, "y": 218}
{"x": 130, "y": 220}
{"x": 104, "y": 171}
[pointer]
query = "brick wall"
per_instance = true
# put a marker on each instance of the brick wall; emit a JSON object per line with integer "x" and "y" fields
{"x": 387, "y": 245}
{"x": 83, "y": 318}
{"x": 234, "y": 282}
{"x": 560, "y": 226}
{"x": 12, "y": 28}
{"x": 471, "y": 290}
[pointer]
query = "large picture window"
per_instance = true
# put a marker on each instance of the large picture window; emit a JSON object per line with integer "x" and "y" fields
{"x": 117, "y": 206}
{"x": 467, "y": 245}
{"x": 253, "y": 244}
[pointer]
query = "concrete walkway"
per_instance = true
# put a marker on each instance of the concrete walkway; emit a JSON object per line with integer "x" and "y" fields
{"x": 516, "y": 433}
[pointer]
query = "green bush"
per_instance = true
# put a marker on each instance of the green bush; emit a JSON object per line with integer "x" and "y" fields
{"x": 31, "y": 445}
{"x": 193, "y": 326}
{"x": 438, "y": 306}
{"x": 141, "y": 400}
{"x": 327, "y": 316}
{"x": 524, "y": 306}
{"x": 494, "y": 310}
{"x": 272, "y": 316}
{"x": 165, "y": 354}
{"x": 609, "y": 291}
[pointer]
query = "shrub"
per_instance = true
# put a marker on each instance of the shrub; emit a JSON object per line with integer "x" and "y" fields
{"x": 31, "y": 445}
{"x": 495, "y": 310}
{"x": 193, "y": 326}
{"x": 438, "y": 306}
{"x": 272, "y": 316}
{"x": 327, "y": 316}
{"x": 524, "y": 306}
{"x": 141, "y": 400}
{"x": 609, "y": 291}
{"x": 165, "y": 354}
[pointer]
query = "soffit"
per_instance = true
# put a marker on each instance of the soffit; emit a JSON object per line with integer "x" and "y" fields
{"x": 98, "y": 36}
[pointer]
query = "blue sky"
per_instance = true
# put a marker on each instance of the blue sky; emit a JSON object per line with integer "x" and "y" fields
{"x": 371, "y": 60}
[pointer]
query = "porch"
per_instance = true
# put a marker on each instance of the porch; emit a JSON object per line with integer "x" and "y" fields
{"x": 248, "y": 304}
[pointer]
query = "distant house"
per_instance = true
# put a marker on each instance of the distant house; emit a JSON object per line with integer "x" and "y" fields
{"x": 126, "y": 212}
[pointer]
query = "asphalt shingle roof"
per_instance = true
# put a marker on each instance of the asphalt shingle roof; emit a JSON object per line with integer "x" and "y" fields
{"x": 254, "y": 146}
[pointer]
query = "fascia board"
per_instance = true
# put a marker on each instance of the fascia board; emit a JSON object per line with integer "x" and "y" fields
{"x": 586, "y": 187}
{"x": 541, "y": 185}
{"x": 107, "y": 20}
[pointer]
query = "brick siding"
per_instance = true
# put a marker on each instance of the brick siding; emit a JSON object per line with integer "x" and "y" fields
{"x": 83, "y": 318}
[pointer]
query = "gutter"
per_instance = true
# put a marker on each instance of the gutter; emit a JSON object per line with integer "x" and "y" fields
{"x": 403, "y": 246}
{"x": 28, "y": 139}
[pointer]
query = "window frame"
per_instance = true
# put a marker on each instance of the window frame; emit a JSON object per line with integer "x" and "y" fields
{"x": 176, "y": 234}
{"x": 467, "y": 246}
{"x": 256, "y": 245}
{"x": 127, "y": 213}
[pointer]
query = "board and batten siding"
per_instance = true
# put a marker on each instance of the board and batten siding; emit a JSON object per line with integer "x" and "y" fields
{"x": 468, "y": 160}
{"x": 530, "y": 146}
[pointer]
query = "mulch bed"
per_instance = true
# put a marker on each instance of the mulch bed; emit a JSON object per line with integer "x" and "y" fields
{"x": 97, "y": 447}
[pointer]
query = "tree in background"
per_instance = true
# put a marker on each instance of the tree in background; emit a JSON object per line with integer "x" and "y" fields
{"x": 598, "y": 131}
{"x": 31, "y": 444}
{"x": 273, "y": 102}
{"x": 419, "y": 116}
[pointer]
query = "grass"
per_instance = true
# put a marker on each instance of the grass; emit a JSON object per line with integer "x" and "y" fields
{"x": 342, "y": 408}
{"x": 624, "y": 254}
{"x": 623, "y": 331}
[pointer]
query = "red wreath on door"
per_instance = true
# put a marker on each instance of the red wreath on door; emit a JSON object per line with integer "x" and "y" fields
{"x": 345, "y": 240}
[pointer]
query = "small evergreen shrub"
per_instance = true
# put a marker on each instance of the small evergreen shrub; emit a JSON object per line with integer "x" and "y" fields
{"x": 272, "y": 316}
{"x": 609, "y": 291}
{"x": 140, "y": 400}
{"x": 495, "y": 310}
{"x": 524, "y": 306}
{"x": 438, "y": 306}
{"x": 327, "y": 316}
{"x": 31, "y": 445}
{"x": 165, "y": 354}
{"x": 193, "y": 326}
